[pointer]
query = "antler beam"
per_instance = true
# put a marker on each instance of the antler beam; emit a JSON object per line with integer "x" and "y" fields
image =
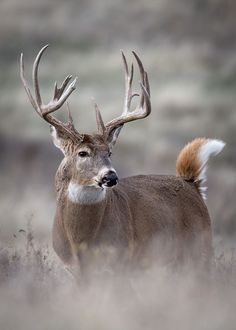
{"x": 60, "y": 95}
{"x": 143, "y": 109}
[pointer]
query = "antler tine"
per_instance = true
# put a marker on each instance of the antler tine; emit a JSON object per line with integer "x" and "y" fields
{"x": 60, "y": 96}
{"x": 147, "y": 84}
{"x": 69, "y": 115}
{"x": 58, "y": 91}
{"x": 100, "y": 123}
{"x": 25, "y": 84}
{"x": 144, "y": 107}
{"x": 55, "y": 103}
{"x": 35, "y": 76}
{"x": 142, "y": 74}
{"x": 146, "y": 98}
{"x": 128, "y": 85}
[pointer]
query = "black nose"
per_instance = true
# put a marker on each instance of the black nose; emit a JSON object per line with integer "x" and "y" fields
{"x": 110, "y": 179}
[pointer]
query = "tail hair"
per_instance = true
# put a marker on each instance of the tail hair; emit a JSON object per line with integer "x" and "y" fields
{"x": 191, "y": 163}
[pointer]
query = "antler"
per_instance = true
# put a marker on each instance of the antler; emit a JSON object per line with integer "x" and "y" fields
{"x": 142, "y": 110}
{"x": 61, "y": 94}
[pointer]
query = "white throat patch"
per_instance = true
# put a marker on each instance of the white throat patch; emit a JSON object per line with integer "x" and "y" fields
{"x": 85, "y": 194}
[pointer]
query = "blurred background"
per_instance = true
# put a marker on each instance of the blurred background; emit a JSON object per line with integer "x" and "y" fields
{"x": 187, "y": 47}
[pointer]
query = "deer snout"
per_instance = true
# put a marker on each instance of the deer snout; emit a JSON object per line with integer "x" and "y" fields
{"x": 109, "y": 179}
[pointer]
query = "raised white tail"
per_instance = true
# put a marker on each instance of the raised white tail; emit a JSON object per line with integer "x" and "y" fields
{"x": 192, "y": 161}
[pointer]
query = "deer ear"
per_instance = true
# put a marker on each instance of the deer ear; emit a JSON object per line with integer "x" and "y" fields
{"x": 114, "y": 135}
{"x": 57, "y": 140}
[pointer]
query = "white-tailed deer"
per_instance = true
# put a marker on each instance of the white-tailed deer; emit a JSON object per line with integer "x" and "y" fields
{"x": 98, "y": 216}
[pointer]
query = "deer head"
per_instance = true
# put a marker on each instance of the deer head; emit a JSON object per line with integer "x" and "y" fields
{"x": 88, "y": 156}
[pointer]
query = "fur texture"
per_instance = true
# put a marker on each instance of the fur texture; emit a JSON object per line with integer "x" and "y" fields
{"x": 146, "y": 219}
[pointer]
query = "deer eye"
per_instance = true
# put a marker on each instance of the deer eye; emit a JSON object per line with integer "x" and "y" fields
{"x": 109, "y": 154}
{"x": 83, "y": 154}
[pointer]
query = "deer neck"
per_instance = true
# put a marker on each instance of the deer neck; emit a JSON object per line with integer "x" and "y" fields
{"x": 83, "y": 211}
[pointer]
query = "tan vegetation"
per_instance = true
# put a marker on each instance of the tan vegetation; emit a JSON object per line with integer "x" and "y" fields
{"x": 37, "y": 293}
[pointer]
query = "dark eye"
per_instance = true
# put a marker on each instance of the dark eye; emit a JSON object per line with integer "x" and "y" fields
{"x": 109, "y": 154}
{"x": 83, "y": 154}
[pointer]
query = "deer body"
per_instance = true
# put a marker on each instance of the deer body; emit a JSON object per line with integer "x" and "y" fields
{"x": 140, "y": 219}
{"x": 131, "y": 215}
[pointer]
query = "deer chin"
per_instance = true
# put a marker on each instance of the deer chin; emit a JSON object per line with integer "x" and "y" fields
{"x": 82, "y": 194}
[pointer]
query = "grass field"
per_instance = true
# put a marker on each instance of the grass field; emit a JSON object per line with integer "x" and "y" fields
{"x": 37, "y": 292}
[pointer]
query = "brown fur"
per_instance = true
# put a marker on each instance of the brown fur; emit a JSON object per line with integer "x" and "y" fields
{"x": 188, "y": 164}
{"x": 144, "y": 219}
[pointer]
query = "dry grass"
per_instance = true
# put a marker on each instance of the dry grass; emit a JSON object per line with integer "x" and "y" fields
{"x": 36, "y": 292}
